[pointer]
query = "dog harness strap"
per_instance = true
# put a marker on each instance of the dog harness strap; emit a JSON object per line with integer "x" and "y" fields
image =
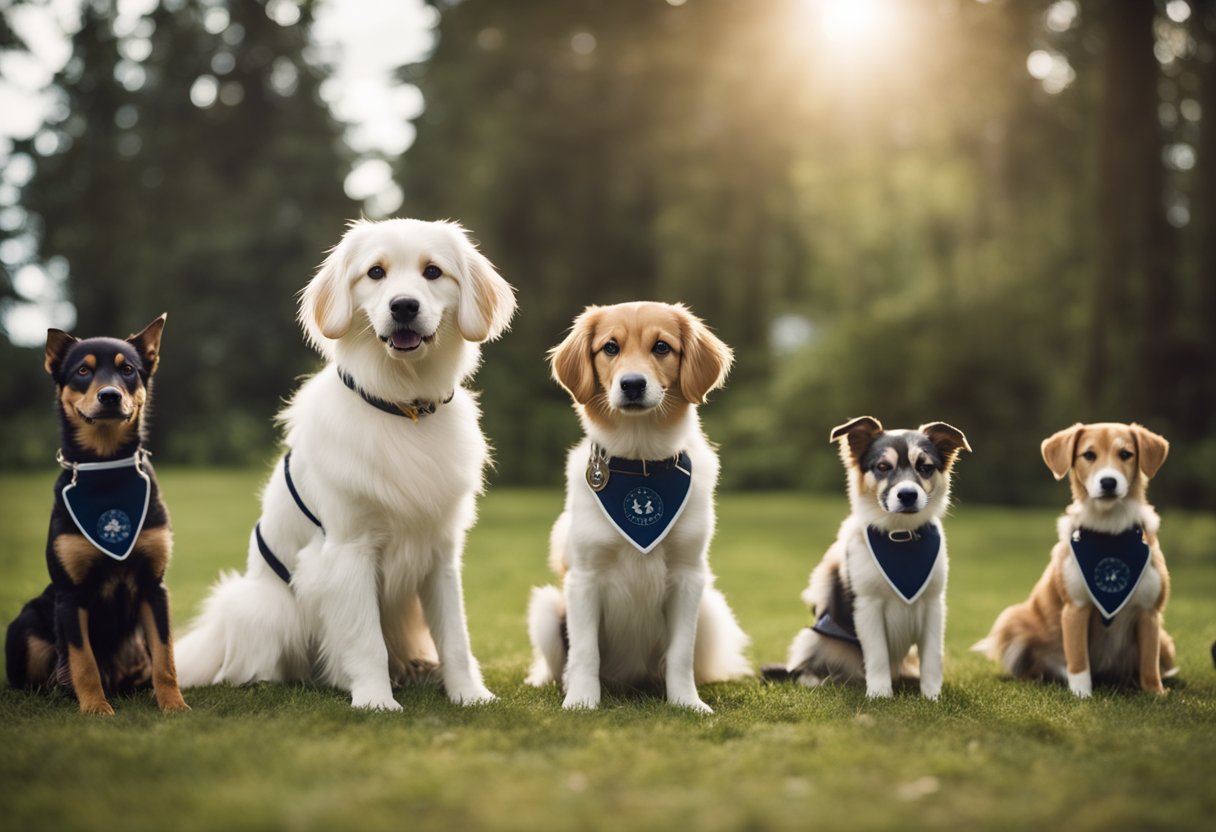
{"x": 274, "y": 563}
{"x": 414, "y": 410}
{"x": 906, "y": 558}
{"x": 108, "y": 501}
{"x": 1112, "y": 565}
{"x": 295, "y": 495}
{"x": 825, "y": 626}
{"x": 641, "y": 498}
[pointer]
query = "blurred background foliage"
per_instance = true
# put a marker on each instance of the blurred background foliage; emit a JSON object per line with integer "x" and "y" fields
{"x": 997, "y": 214}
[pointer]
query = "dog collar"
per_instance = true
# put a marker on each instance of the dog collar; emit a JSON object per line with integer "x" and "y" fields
{"x": 642, "y": 498}
{"x": 1112, "y": 565}
{"x": 108, "y": 501}
{"x": 414, "y": 410}
{"x": 906, "y": 558}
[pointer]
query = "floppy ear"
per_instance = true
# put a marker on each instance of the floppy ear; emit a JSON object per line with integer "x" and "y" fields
{"x": 859, "y": 432}
{"x": 1060, "y": 448}
{"x": 487, "y": 302}
{"x": 58, "y": 343}
{"x": 705, "y": 359}
{"x": 326, "y": 305}
{"x": 571, "y": 359}
{"x": 147, "y": 342}
{"x": 948, "y": 439}
{"x": 1153, "y": 449}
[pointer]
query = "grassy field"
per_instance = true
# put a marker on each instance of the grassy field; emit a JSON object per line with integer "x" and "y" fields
{"x": 989, "y": 754}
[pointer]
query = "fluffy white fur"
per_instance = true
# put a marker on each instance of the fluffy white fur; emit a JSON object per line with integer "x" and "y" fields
{"x": 633, "y": 618}
{"x": 379, "y": 592}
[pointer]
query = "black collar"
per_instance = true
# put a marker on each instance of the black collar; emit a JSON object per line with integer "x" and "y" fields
{"x": 415, "y": 410}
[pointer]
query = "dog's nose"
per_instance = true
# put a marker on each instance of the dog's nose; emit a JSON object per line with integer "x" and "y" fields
{"x": 907, "y": 496}
{"x": 404, "y": 309}
{"x": 1108, "y": 484}
{"x": 109, "y": 397}
{"x": 633, "y": 386}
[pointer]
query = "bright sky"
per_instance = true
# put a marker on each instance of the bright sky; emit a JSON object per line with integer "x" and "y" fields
{"x": 364, "y": 41}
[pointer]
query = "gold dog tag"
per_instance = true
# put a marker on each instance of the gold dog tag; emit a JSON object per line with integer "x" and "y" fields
{"x": 597, "y": 468}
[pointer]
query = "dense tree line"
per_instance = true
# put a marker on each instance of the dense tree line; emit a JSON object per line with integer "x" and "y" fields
{"x": 918, "y": 223}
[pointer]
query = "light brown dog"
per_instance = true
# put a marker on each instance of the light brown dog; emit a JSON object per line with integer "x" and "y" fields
{"x": 1096, "y": 612}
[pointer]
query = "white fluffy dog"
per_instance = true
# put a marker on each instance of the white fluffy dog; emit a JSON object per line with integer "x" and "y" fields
{"x": 353, "y": 571}
{"x": 637, "y": 601}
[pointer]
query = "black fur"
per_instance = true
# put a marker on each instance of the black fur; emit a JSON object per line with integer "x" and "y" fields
{"x": 110, "y": 591}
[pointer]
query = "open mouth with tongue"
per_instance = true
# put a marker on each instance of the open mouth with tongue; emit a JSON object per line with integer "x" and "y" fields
{"x": 407, "y": 340}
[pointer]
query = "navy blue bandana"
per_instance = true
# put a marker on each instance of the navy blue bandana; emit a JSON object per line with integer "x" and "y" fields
{"x": 1112, "y": 565}
{"x": 642, "y": 498}
{"x": 906, "y": 558}
{"x": 108, "y": 501}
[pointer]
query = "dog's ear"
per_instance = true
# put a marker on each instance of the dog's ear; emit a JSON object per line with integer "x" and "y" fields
{"x": 487, "y": 302}
{"x": 147, "y": 343}
{"x": 571, "y": 360}
{"x": 1060, "y": 448}
{"x": 705, "y": 359}
{"x": 948, "y": 440}
{"x": 859, "y": 432}
{"x": 1153, "y": 448}
{"x": 326, "y": 305}
{"x": 58, "y": 343}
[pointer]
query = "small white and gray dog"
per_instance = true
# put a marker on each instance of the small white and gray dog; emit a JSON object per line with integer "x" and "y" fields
{"x": 880, "y": 589}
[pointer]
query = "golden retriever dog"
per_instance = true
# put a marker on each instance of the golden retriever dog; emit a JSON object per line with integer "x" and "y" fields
{"x": 352, "y": 573}
{"x": 637, "y": 603}
{"x": 880, "y": 590}
{"x": 1095, "y": 614}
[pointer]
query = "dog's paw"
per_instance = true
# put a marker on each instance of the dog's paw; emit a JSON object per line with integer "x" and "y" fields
{"x": 879, "y": 691}
{"x": 472, "y": 695}
{"x": 374, "y": 702}
{"x": 172, "y": 703}
{"x": 930, "y": 691}
{"x": 99, "y": 707}
{"x": 1081, "y": 684}
{"x": 584, "y": 699}
{"x": 693, "y": 704}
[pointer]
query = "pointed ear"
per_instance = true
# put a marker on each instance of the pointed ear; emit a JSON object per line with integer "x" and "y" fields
{"x": 58, "y": 343}
{"x": 487, "y": 302}
{"x": 147, "y": 343}
{"x": 859, "y": 432}
{"x": 1060, "y": 448}
{"x": 948, "y": 439}
{"x": 1153, "y": 450}
{"x": 705, "y": 359}
{"x": 326, "y": 304}
{"x": 571, "y": 360}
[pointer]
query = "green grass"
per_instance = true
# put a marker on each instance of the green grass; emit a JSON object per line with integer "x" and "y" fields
{"x": 990, "y": 753}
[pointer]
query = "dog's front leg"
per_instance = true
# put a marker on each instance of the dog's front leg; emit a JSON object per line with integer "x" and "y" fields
{"x": 583, "y": 630}
{"x": 73, "y": 626}
{"x": 681, "y": 609}
{"x": 1148, "y": 637}
{"x": 1074, "y": 625}
{"x": 341, "y": 584}
{"x": 443, "y": 606}
{"x": 931, "y": 647}
{"x": 872, "y": 633}
{"x": 154, "y": 614}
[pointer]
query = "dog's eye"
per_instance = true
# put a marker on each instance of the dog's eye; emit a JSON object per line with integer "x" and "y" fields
{"x": 432, "y": 272}
{"x": 883, "y": 467}
{"x": 1125, "y": 454}
{"x": 84, "y": 370}
{"x": 925, "y": 470}
{"x": 376, "y": 272}
{"x": 611, "y": 348}
{"x": 127, "y": 370}
{"x": 661, "y": 348}
{"x": 1089, "y": 456}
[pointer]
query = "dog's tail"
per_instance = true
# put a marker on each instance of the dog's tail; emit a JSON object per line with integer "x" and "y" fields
{"x": 547, "y": 631}
{"x": 250, "y": 630}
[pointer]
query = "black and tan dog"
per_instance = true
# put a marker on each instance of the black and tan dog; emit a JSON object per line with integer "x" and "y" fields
{"x": 103, "y": 623}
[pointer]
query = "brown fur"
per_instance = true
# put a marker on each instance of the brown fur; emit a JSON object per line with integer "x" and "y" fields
{"x": 40, "y": 659}
{"x": 1049, "y": 631}
{"x": 698, "y": 362}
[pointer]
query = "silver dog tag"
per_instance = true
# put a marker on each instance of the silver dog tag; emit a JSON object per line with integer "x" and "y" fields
{"x": 597, "y": 468}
